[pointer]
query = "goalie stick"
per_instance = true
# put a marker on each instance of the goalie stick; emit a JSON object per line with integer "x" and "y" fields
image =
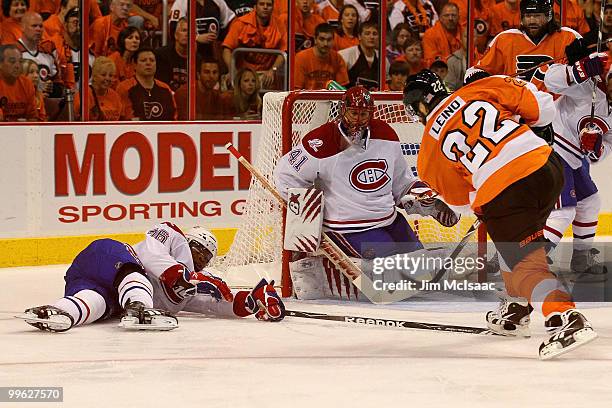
{"x": 376, "y": 321}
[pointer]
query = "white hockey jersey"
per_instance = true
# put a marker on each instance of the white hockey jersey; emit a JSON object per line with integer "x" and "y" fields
{"x": 361, "y": 186}
{"x": 165, "y": 247}
{"x": 573, "y": 113}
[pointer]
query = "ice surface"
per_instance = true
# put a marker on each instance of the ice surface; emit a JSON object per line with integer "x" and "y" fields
{"x": 210, "y": 362}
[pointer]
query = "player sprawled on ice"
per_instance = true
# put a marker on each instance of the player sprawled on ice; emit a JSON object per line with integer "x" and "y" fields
{"x": 485, "y": 147}
{"x": 159, "y": 276}
{"x": 580, "y": 140}
{"x": 357, "y": 163}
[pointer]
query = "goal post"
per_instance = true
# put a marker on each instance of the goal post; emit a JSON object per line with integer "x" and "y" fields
{"x": 257, "y": 250}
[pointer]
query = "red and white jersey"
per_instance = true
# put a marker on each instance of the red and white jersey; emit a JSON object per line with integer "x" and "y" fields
{"x": 574, "y": 113}
{"x": 361, "y": 185}
{"x": 165, "y": 247}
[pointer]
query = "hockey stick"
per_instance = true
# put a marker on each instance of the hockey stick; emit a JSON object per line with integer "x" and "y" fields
{"x": 440, "y": 274}
{"x": 599, "y": 41}
{"x": 376, "y": 321}
{"x": 328, "y": 247}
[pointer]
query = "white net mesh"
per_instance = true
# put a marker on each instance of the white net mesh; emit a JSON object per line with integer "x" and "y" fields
{"x": 257, "y": 247}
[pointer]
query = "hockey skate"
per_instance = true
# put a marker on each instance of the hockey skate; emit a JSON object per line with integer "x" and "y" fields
{"x": 570, "y": 330}
{"x": 511, "y": 317}
{"x": 48, "y": 318}
{"x": 585, "y": 266}
{"x": 139, "y": 317}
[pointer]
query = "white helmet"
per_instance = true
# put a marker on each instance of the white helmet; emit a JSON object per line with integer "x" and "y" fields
{"x": 203, "y": 237}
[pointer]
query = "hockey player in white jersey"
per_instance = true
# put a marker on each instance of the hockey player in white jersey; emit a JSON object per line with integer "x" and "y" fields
{"x": 175, "y": 263}
{"x": 580, "y": 141}
{"x": 104, "y": 280}
{"x": 357, "y": 162}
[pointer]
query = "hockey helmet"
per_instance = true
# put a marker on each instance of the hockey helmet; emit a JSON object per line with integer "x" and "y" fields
{"x": 203, "y": 245}
{"x": 536, "y": 7}
{"x": 425, "y": 87}
{"x": 356, "y": 110}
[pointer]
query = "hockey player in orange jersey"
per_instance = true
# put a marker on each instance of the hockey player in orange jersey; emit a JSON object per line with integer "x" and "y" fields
{"x": 486, "y": 146}
{"x": 538, "y": 40}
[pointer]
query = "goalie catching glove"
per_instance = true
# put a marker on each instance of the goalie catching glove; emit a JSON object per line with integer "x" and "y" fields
{"x": 262, "y": 301}
{"x": 420, "y": 199}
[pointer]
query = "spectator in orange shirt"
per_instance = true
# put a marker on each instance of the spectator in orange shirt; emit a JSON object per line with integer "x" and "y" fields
{"x": 413, "y": 56}
{"x": 211, "y": 103}
{"x": 128, "y": 43}
{"x": 150, "y": 13}
{"x": 55, "y": 23}
{"x": 104, "y": 102}
{"x": 574, "y": 16}
{"x": 30, "y": 70}
{"x": 398, "y": 73}
{"x": 17, "y": 94}
{"x": 247, "y": 102}
{"x": 68, "y": 46}
{"x": 444, "y": 38}
{"x": 44, "y": 7}
{"x": 306, "y": 21}
{"x": 316, "y": 66}
{"x": 346, "y": 34}
{"x": 104, "y": 32}
{"x": 257, "y": 29}
{"x": 144, "y": 97}
{"x": 504, "y": 16}
{"x": 399, "y": 38}
{"x": 10, "y": 28}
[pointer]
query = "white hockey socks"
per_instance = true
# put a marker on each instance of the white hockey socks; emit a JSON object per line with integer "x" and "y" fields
{"x": 85, "y": 306}
{"x": 135, "y": 287}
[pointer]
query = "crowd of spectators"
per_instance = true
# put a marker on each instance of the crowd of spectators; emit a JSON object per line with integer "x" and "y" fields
{"x": 242, "y": 51}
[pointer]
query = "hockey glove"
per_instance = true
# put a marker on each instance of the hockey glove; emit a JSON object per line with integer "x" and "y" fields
{"x": 589, "y": 67}
{"x": 208, "y": 284}
{"x": 437, "y": 209}
{"x": 262, "y": 301}
{"x": 419, "y": 191}
{"x": 577, "y": 50}
{"x": 546, "y": 132}
{"x": 591, "y": 143}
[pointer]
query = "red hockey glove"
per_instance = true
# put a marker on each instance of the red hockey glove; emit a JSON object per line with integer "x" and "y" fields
{"x": 591, "y": 143}
{"x": 208, "y": 284}
{"x": 262, "y": 301}
{"x": 589, "y": 67}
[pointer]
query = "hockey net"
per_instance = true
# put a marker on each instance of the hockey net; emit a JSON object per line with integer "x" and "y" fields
{"x": 257, "y": 249}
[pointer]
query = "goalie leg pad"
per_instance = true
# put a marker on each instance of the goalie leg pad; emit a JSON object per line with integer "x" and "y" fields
{"x": 308, "y": 277}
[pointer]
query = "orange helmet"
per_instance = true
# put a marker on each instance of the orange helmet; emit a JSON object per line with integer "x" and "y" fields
{"x": 356, "y": 110}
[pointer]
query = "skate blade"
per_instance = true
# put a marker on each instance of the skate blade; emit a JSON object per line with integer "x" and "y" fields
{"x": 165, "y": 325}
{"x": 518, "y": 333}
{"x": 550, "y": 352}
{"x": 50, "y": 325}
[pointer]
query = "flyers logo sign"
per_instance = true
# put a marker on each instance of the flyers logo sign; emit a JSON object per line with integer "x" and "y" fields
{"x": 524, "y": 62}
{"x": 369, "y": 175}
{"x": 597, "y": 123}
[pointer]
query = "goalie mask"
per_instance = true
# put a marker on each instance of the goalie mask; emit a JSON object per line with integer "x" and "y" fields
{"x": 356, "y": 110}
{"x": 424, "y": 88}
{"x": 203, "y": 245}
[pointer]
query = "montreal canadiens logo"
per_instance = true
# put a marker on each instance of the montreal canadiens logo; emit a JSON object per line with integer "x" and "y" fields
{"x": 369, "y": 175}
{"x": 597, "y": 122}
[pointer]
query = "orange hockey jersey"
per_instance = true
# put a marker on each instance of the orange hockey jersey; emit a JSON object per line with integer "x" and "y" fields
{"x": 513, "y": 51}
{"x": 473, "y": 146}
